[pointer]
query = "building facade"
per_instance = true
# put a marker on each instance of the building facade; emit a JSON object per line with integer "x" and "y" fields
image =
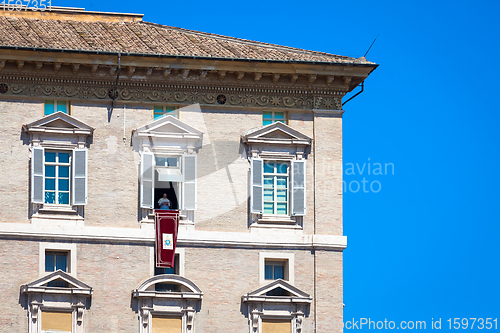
{"x": 102, "y": 114}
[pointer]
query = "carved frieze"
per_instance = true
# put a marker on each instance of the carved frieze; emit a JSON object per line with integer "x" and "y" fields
{"x": 172, "y": 93}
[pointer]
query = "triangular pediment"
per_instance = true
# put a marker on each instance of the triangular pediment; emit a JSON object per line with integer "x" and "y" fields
{"x": 169, "y": 126}
{"x": 278, "y": 288}
{"x": 276, "y": 133}
{"x": 71, "y": 284}
{"x": 59, "y": 122}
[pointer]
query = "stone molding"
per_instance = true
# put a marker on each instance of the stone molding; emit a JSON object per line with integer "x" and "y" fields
{"x": 187, "y": 237}
{"x": 73, "y": 299}
{"x": 246, "y": 96}
{"x": 183, "y": 304}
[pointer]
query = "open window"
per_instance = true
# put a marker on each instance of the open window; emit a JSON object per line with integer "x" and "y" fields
{"x": 168, "y": 149}
{"x": 57, "y": 302}
{"x": 58, "y": 166}
{"x": 277, "y": 174}
{"x": 173, "y": 310}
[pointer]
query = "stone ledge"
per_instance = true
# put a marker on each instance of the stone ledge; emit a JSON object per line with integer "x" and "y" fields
{"x": 187, "y": 237}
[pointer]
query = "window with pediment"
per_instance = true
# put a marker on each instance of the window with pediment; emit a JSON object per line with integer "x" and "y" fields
{"x": 277, "y": 307}
{"x": 277, "y": 155}
{"x": 57, "y": 302}
{"x": 168, "y": 168}
{"x": 58, "y": 166}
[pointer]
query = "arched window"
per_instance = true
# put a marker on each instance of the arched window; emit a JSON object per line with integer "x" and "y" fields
{"x": 174, "y": 310}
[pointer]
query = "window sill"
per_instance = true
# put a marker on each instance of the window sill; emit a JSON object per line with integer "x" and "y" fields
{"x": 276, "y": 219}
{"x": 57, "y": 213}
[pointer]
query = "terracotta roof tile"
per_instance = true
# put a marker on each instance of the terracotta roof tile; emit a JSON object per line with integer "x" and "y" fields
{"x": 146, "y": 38}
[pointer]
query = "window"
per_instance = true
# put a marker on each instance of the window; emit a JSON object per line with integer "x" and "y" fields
{"x": 167, "y": 161}
{"x": 163, "y": 324}
{"x": 59, "y": 177}
{"x": 51, "y": 106}
{"x": 167, "y": 270}
{"x": 276, "y": 188}
{"x": 277, "y": 307}
{"x": 58, "y": 309}
{"x": 56, "y": 321}
{"x": 161, "y": 111}
{"x": 166, "y": 311}
{"x": 276, "y": 265}
{"x": 276, "y": 326}
{"x": 56, "y": 260}
{"x": 53, "y": 262}
{"x": 275, "y": 270}
{"x": 269, "y": 117}
{"x": 55, "y": 255}
{"x": 57, "y": 165}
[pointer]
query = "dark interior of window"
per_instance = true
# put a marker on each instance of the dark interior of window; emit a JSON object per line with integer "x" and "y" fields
{"x": 171, "y": 195}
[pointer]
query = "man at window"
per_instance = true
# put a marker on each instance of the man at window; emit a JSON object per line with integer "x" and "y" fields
{"x": 164, "y": 203}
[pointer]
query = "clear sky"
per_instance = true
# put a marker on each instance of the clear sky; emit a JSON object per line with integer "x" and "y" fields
{"x": 425, "y": 246}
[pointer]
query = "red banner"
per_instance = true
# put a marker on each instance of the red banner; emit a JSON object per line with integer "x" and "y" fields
{"x": 167, "y": 226}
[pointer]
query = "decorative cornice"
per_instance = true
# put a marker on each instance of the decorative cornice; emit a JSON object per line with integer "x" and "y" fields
{"x": 299, "y": 98}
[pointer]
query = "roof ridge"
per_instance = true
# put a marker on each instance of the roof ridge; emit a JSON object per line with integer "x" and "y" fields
{"x": 276, "y": 46}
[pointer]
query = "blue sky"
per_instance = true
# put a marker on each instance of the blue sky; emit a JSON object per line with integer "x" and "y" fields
{"x": 425, "y": 246}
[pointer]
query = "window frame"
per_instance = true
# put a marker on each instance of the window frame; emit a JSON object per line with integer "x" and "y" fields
{"x": 58, "y": 247}
{"x": 68, "y": 106}
{"x": 287, "y": 258}
{"x": 275, "y": 188}
{"x": 56, "y": 178}
{"x": 175, "y": 112}
{"x": 273, "y": 118}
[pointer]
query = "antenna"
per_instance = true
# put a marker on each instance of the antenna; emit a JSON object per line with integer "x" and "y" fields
{"x": 371, "y": 45}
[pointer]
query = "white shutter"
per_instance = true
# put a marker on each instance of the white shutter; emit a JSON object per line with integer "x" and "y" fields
{"x": 298, "y": 188}
{"x": 147, "y": 180}
{"x": 257, "y": 180}
{"x": 37, "y": 175}
{"x": 80, "y": 174}
{"x": 189, "y": 201}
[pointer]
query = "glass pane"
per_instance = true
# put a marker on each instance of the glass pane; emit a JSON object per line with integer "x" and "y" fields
{"x": 49, "y": 262}
{"x": 63, "y": 198}
{"x": 279, "y": 272}
{"x": 281, "y": 209}
{"x": 172, "y": 162}
{"x": 157, "y": 115}
{"x": 282, "y": 168}
{"x": 280, "y": 121}
{"x": 64, "y": 171}
{"x": 268, "y": 272}
{"x": 50, "y": 197}
{"x": 48, "y": 107}
{"x": 61, "y": 262}
{"x": 269, "y": 167}
{"x": 268, "y": 208}
{"x": 63, "y": 157}
{"x": 268, "y": 182}
{"x": 50, "y": 157}
{"x": 281, "y": 182}
{"x": 50, "y": 184}
{"x": 62, "y": 106}
{"x": 160, "y": 161}
{"x": 281, "y": 195}
{"x": 268, "y": 195}
{"x": 267, "y": 115}
{"x": 63, "y": 184}
{"x": 266, "y": 122}
{"x": 50, "y": 171}
{"x": 279, "y": 115}
{"x": 158, "y": 109}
